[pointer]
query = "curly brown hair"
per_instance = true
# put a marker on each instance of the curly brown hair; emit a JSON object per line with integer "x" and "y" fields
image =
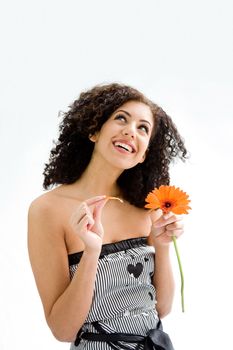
{"x": 73, "y": 150}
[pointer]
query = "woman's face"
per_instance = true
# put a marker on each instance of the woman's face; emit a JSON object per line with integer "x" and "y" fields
{"x": 124, "y": 137}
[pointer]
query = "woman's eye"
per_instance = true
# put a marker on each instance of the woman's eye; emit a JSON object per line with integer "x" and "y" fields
{"x": 120, "y": 117}
{"x": 144, "y": 128}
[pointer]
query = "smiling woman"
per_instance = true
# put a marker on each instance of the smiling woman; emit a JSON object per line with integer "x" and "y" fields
{"x": 102, "y": 268}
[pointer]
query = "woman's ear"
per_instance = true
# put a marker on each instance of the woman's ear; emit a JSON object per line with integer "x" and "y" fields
{"x": 144, "y": 156}
{"x": 93, "y": 138}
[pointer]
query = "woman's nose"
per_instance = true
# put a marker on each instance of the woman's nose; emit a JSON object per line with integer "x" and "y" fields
{"x": 129, "y": 130}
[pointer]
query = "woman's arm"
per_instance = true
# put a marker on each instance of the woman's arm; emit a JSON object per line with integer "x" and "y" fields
{"x": 163, "y": 279}
{"x": 66, "y": 303}
{"x": 161, "y": 236}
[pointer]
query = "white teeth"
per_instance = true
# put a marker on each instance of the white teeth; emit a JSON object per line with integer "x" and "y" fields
{"x": 124, "y": 145}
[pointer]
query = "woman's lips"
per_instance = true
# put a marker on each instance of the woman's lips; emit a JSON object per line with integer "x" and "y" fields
{"x": 124, "y": 145}
{"x": 121, "y": 150}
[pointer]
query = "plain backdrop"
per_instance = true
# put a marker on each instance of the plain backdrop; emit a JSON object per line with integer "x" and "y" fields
{"x": 180, "y": 54}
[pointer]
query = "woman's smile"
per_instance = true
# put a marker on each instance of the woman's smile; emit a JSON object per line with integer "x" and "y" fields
{"x": 124, "y": 146}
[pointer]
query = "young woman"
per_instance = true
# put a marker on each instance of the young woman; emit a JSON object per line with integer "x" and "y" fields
{"x": 102, "y": 266}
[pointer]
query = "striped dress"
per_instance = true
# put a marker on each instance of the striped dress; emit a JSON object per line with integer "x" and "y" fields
{"x": 124, "y": 298}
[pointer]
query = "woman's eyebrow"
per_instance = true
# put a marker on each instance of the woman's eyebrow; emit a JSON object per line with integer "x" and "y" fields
{"x": 141, "y": 120}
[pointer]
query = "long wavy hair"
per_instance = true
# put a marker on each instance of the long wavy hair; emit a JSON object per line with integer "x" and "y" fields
{"x": 73, "y": 150}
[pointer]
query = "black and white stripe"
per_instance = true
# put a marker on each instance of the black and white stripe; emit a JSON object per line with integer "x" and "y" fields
{"x": 124, "y": 297}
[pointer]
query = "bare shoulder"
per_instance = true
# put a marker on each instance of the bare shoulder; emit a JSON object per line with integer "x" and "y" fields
{"x": 47, "y": 206}
{"x": 45, "y": 222}
{"x": 47, "y": 249}
{"x": 43, "y": 204}
{"x": 45, "y": 227}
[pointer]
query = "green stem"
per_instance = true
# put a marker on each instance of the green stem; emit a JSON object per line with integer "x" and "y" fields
{"x": 181, "y": 272}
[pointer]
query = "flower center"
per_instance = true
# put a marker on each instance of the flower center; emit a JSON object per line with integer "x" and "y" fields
{"x": 167, "y": 205}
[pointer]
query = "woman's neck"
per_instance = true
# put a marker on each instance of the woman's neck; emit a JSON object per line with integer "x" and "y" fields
{"x": 99, "y": 179}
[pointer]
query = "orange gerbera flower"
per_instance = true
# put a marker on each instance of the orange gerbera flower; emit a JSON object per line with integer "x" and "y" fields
{"x": 168, "y": 198}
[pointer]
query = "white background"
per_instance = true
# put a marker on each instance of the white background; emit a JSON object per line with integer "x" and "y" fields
{"x": 179, "y": 53}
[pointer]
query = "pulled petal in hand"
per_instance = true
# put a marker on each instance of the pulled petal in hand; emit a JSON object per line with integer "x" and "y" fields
{"x": 109, "y": 197}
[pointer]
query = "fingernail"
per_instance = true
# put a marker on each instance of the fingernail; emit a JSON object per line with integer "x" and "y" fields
{"x": 166, "y": 216}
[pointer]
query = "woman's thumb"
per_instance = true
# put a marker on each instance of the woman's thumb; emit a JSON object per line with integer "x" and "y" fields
{"x": 98, "y": 208}
{"x": 155, "y": 215}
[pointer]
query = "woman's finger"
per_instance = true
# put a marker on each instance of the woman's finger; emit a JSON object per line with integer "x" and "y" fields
{"x": 98, "y": 209}
{"x": 174, "y": 226}
{"x": 155, "y": 215}
{"x": 168, "y": 215}
{"x": 80, "y": 213}
{"x": 159, "y": 231}
{"x": 95, "y": 199}
{"x": 177, "y": 233}
{"x": 83, "y": 224}
{"x": 164, "y": 222}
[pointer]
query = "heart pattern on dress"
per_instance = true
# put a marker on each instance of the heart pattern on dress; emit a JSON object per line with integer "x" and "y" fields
{"x": 135, "y": 270}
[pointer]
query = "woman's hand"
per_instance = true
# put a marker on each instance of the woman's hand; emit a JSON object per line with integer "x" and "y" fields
{"x": 164, "y": 226}
{"x": 86, "y": 222}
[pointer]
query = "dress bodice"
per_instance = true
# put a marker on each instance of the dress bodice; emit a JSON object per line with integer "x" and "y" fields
{"x": 124, "y": 297}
